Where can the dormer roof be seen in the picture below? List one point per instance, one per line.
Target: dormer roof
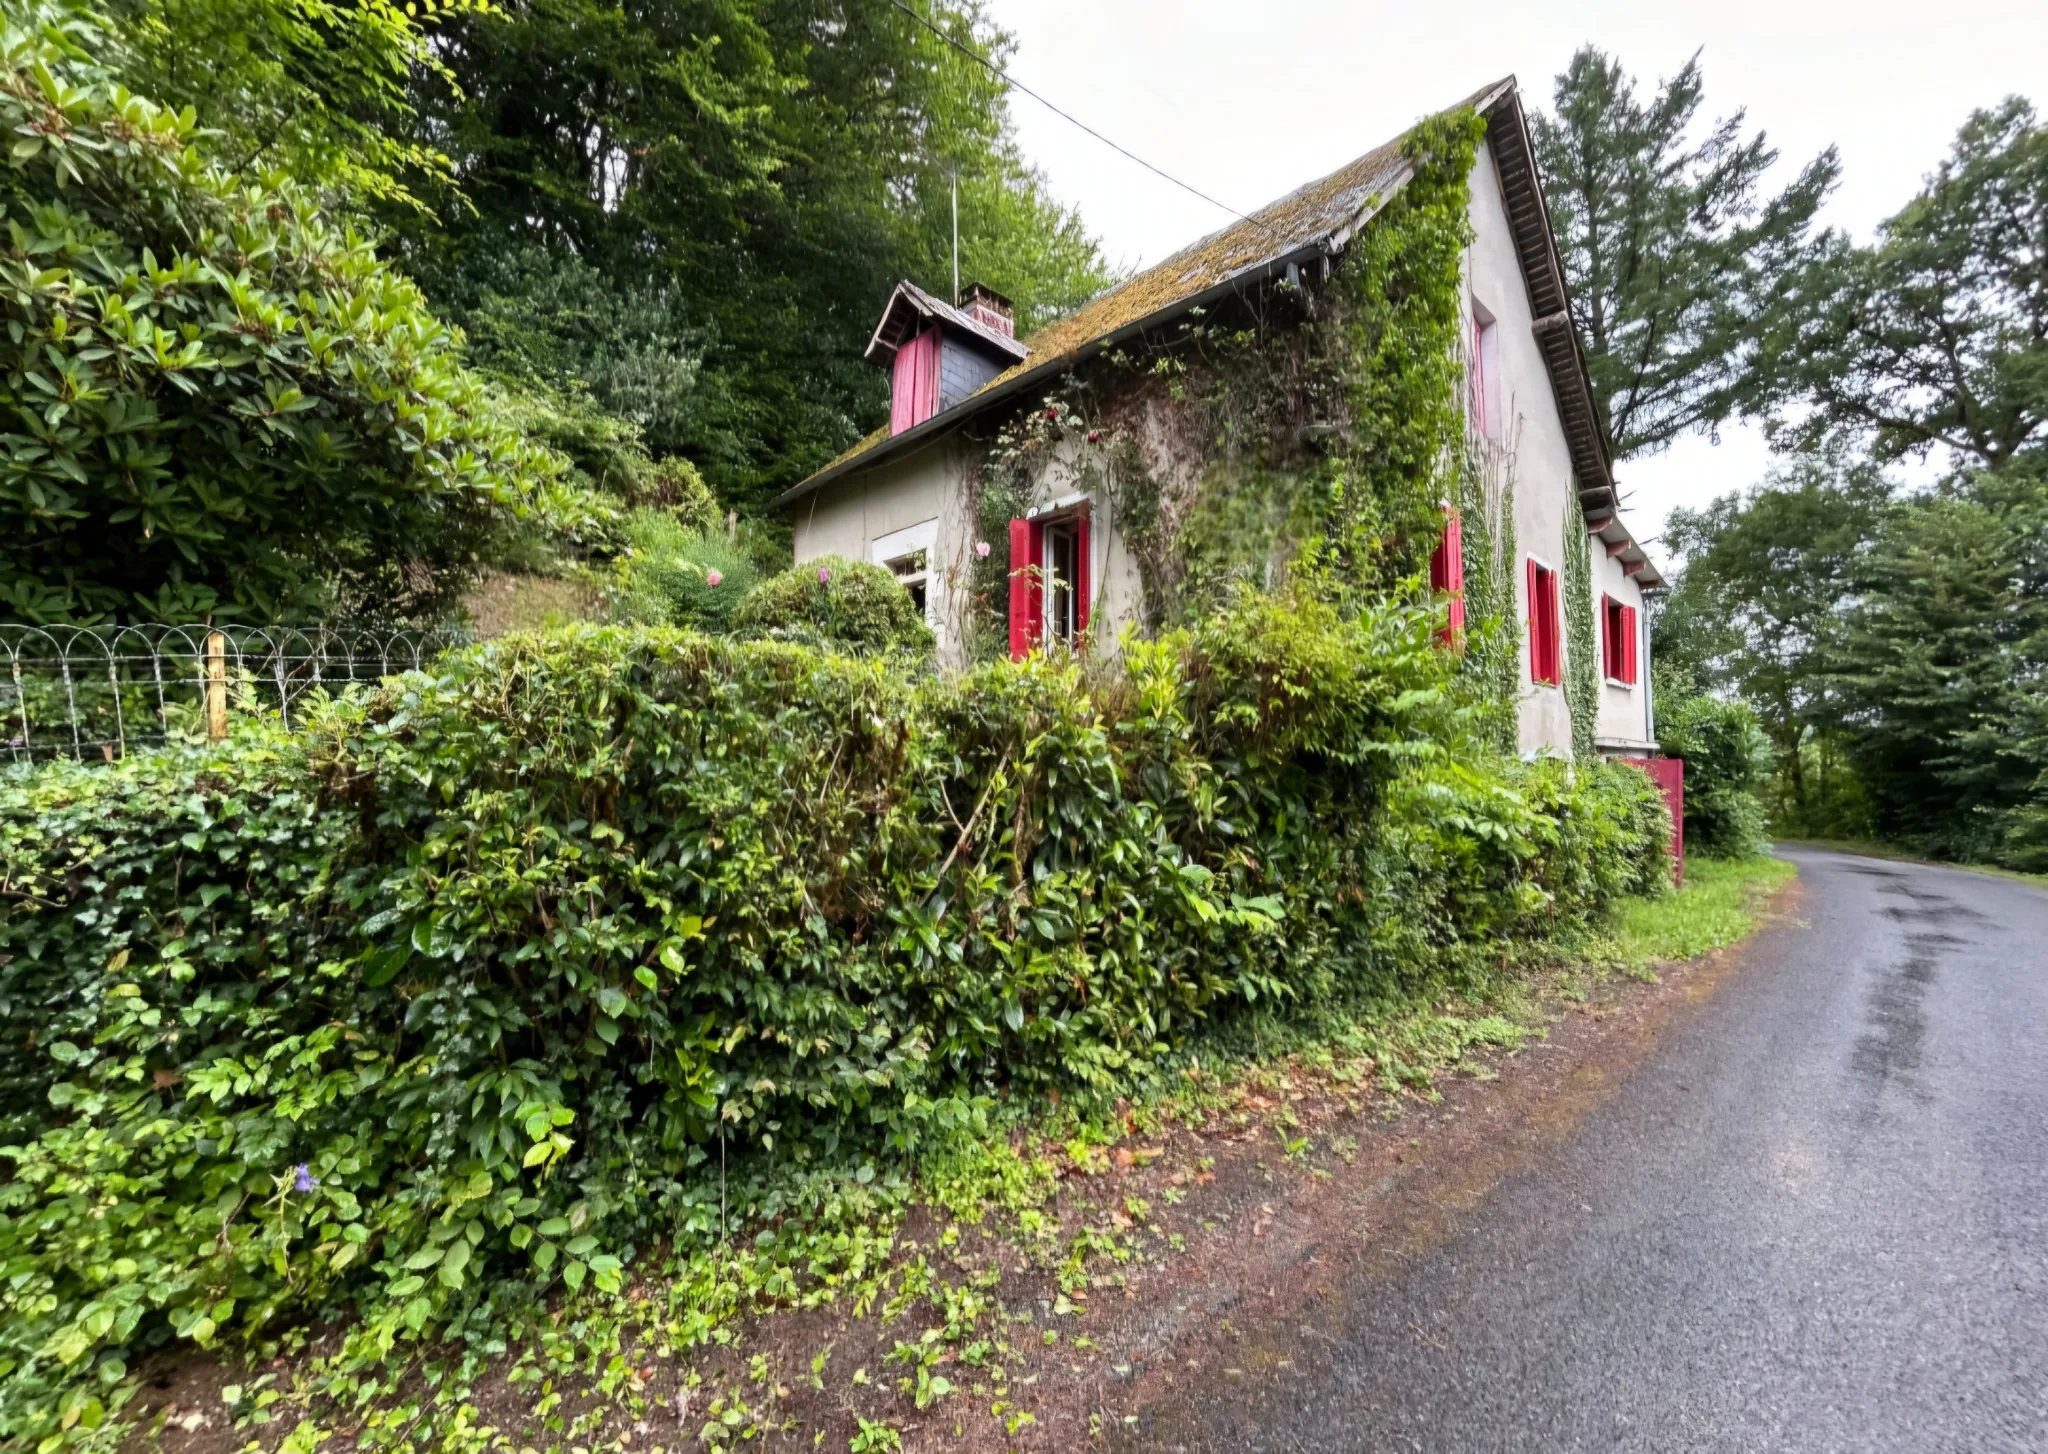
(911, 310)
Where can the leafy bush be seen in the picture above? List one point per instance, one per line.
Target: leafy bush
(1727, 759)
(217, 400)
(446, 1001)
(674, 575)
(838, 602)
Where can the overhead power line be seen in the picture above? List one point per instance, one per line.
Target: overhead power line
(1016, 85)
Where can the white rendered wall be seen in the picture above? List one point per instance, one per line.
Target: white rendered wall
(1546, 500)
(1623, 722)
(847, 516)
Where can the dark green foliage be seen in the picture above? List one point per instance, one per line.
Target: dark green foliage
(1759, 610)
(839, 602)
(1727, 762)
(216, 400)
(1938, 670)
(1895, 644)
(698, 210)
(500, 954)
(1674, 256)
(1936, 337)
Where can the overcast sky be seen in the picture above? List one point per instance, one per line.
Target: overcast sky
(1247, 100)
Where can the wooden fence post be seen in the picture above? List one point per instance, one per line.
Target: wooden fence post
(216, 686)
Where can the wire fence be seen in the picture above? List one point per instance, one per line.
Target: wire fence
(98, 694)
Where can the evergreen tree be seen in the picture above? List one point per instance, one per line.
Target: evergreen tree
(1674, 255)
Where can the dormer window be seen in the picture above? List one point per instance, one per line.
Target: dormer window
(937, 354)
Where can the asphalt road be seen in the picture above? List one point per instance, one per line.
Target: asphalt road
(1814, 1219)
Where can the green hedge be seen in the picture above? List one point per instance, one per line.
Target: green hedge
(1728, 760)
(449, 998)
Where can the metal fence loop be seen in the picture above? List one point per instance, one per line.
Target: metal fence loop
(98, 694)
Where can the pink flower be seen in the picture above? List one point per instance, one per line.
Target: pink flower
(824, 575)
(1095, 436)
(712, 577)
(981, 549)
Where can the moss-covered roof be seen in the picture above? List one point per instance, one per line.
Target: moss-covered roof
(1323, 213)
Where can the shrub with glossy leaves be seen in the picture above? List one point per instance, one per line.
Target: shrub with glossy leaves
(1727, 759)
(833, 601)
(215, 399)
(448, 999)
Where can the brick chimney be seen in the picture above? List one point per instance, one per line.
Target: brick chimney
(989, 308)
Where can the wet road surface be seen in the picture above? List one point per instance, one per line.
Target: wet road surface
(1815, 1219)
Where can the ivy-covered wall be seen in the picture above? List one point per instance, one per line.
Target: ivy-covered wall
(1305, 437)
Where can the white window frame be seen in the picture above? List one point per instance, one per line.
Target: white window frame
(897, 546)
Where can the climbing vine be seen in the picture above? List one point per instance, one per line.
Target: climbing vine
(1493, 629)
(1581, 670)
(1400, 294)
(1310, 436)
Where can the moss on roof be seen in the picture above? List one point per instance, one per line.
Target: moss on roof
(1322, 210)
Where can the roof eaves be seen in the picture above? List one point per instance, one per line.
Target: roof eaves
(1507, 129)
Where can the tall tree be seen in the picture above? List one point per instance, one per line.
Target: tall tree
(745, 179)
(1940, 671)
(317, 89)
(1936, 337)
(1674, 252)
(1757, 610)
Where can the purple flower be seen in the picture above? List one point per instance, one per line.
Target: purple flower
(303, 1180)
(712, 577)
(824, 575)
(981, 549)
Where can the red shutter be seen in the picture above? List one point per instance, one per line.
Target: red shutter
(914, 382)
(1447, 575)
(1546, 655)
(1084, 573)
(1535, 625)
(1628, 658)
(1027, 596)
(1554, 620)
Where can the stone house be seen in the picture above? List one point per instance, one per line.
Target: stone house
(908, 497)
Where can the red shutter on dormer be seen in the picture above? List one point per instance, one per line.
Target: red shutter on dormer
(1447, 575)
(1027, 594)
(914, 382)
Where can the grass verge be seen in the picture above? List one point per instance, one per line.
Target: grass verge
(1718, 905)
(954, 1302)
